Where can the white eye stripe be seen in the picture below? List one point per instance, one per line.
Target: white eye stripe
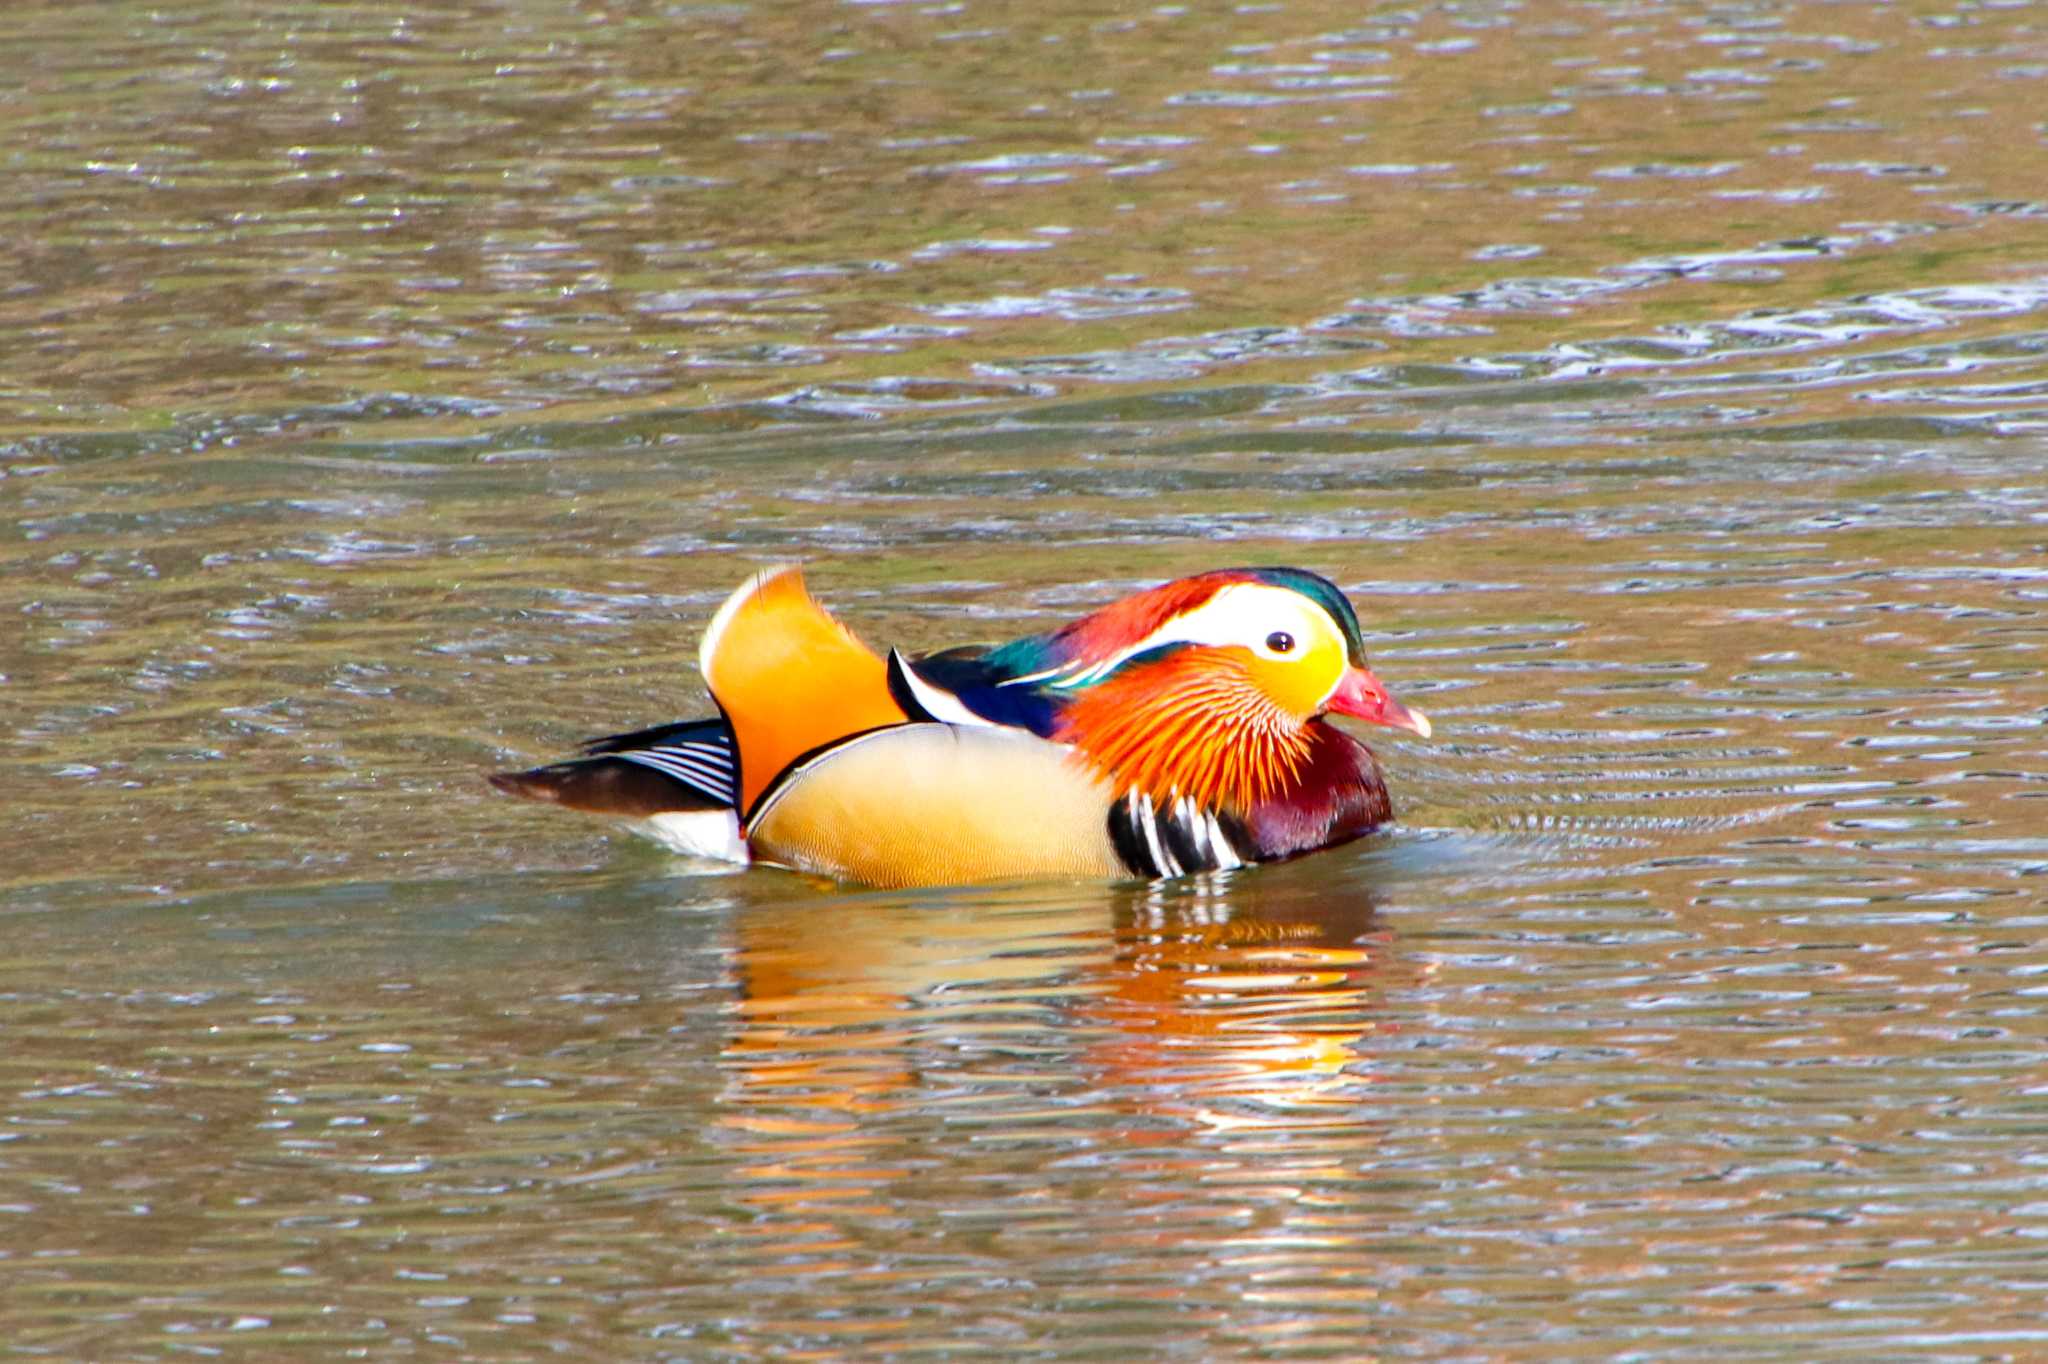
(1244, 614)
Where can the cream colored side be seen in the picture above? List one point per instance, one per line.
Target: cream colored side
(928, 805)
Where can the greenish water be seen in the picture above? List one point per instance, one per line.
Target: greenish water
(390, 397)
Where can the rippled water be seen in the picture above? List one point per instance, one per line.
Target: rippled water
(386, 397)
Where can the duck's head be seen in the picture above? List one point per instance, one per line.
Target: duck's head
(1203, 686)
(1291, 634)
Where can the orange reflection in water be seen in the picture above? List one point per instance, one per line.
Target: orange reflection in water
(1238, 1002)
(935, 1088)
(1129, 1013)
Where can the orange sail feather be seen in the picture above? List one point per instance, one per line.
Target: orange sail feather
(789, 677)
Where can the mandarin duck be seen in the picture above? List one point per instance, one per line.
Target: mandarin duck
(1178, 730)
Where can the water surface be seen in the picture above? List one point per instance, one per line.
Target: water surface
(387, 397)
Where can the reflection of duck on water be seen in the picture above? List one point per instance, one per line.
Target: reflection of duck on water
(1241, 1003)
(866, 1001)
(1233, 1001)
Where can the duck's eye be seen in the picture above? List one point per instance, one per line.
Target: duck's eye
(1280, 642)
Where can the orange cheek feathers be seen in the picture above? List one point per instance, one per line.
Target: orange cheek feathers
(1197, 725)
